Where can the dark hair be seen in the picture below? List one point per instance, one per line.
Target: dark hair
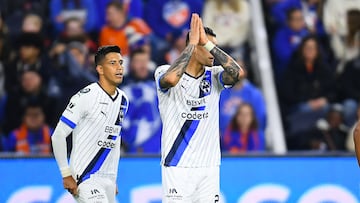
(300, 50)
(353, 18)
(208, 31)
(254, 123)
(102, 51)
(290, 11)
(32, 104)
(116, 4)
(135, 52)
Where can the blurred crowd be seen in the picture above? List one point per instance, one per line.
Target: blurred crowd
(315, 48)
(47, 55)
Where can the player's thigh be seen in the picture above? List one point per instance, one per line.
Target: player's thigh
(209, 187)
(177, 185)
(91, 192)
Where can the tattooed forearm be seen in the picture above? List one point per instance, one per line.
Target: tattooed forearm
(176, 70)
(232, 70)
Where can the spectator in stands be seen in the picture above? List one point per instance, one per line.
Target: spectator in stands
(230, 99)
(230, 20)
(30, 57)
(4, 58)
(335, 13)
(62, 10)
(330, 133)
(312, 11)
(243, 133)
(33, 135)
(31, 90)
(287, 39)
(168, 17)
(5, 47)
(74, 31)
(308, 87)
(4, 54)
(16, 10)
(71, 72)
(133, 9)
(346, 47)
(120, 28)
(349, 89)
(32, 23)
(142, 126)
(177, 46)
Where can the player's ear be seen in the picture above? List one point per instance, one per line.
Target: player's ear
(100, 69)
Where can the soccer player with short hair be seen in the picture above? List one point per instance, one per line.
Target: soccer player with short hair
(188, 92)
(94, 116)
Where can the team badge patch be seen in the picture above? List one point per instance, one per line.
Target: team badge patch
(205, 86)
(85, 90)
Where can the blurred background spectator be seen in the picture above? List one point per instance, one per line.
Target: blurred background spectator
(15, 11)
(30, 56)
(33, 135)
(142, 125)
(71, 72)
(330, 133)
(346, 47)
(243, 133)
(308, 87)
(132, 8)
(243, 92)
(122, 30)
(231, 20)
(62, 10)
(167, 18)
(287, 39)
(31, 90)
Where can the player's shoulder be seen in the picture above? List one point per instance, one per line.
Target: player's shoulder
(85, 93)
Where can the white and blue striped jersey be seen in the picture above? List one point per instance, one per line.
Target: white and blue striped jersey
(190, 115)
(96, 119)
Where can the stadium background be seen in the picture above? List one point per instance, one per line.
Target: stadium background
(307, 155)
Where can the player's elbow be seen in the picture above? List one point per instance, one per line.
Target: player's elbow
(168, 81)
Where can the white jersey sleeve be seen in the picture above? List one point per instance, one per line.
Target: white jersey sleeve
(58, 139)
(159, 72)
(217, 72)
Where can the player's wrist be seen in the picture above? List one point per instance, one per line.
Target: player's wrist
(65, 172)
(209, 45)
(193, 43)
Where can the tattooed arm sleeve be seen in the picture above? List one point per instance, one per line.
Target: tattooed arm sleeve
(232, 71)
(174, 73)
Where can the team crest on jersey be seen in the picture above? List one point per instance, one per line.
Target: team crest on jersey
(205, 86)
(85, 90)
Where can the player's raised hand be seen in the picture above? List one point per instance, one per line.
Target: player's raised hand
(70, 184)
(203, 37)
(194, 34)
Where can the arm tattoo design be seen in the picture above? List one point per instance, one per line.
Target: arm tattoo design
(231, 68)
(179, 66)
